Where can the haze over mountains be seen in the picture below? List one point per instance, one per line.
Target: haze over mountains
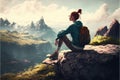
(24, 46)
(39, 29)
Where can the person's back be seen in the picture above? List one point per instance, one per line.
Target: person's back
(75, 33)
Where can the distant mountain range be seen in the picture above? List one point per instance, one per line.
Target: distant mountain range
(24, 46)
(39, 29)
(5, 24)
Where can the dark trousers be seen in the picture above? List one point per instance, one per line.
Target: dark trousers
(67, 43)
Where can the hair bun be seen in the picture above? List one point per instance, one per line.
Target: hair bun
(79, 11)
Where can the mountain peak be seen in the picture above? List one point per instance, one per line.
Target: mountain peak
(111, 31)
(41, 21)
(41, 24)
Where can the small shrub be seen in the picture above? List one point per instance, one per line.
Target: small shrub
(39, 72)
(99, 40)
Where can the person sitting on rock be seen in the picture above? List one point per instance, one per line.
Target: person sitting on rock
(74, 30)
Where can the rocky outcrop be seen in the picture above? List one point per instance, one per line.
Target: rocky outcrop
(114, 30)
(93, 63)
(101, 31)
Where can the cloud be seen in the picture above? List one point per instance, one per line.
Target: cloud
(55, 15)
(101, 17)
(32, 10)
(116, 14)
(2, 3)
(5, 4)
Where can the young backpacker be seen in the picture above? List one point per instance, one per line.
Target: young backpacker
(84, 36)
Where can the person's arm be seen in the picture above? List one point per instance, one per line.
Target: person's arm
(64, 32)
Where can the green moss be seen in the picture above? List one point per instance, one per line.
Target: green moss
(38, 72)
(98, 40)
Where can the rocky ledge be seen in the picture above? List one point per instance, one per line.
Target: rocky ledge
(93, 63)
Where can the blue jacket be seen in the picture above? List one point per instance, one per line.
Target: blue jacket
(74, 30)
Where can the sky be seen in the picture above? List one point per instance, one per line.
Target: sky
(95, 13)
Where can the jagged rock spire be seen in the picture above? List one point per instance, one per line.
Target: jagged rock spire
(42, 24)
(32, 25)
(113, 30)
(42, 20)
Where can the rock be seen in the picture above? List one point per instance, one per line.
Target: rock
(93, 63)
(113, 30)
(104, 49)
(49, 61)
(101, 31)
(89, 64)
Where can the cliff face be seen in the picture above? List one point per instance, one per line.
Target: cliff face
(94, 63)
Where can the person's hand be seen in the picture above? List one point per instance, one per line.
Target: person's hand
(56, 42)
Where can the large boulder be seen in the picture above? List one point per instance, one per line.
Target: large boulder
(93, 63)
(101, 31)
(113, 30)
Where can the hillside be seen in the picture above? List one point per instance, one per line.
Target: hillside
(20, 51)
(93, 63)
(19, 38)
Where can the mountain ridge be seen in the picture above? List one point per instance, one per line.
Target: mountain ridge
(39, 29)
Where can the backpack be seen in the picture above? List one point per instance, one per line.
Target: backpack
(84, 36)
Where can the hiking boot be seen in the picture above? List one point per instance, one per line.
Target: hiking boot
(54, 56)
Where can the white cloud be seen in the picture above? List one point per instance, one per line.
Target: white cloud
(55, 16)
(100, 18)
(5, 4)
(32, 10)
(2, 3)
(116, 14)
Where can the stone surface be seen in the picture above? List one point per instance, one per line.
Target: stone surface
(113, 30)
(104, 49)
(93, 63)
(49, 61)
(101, 31)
